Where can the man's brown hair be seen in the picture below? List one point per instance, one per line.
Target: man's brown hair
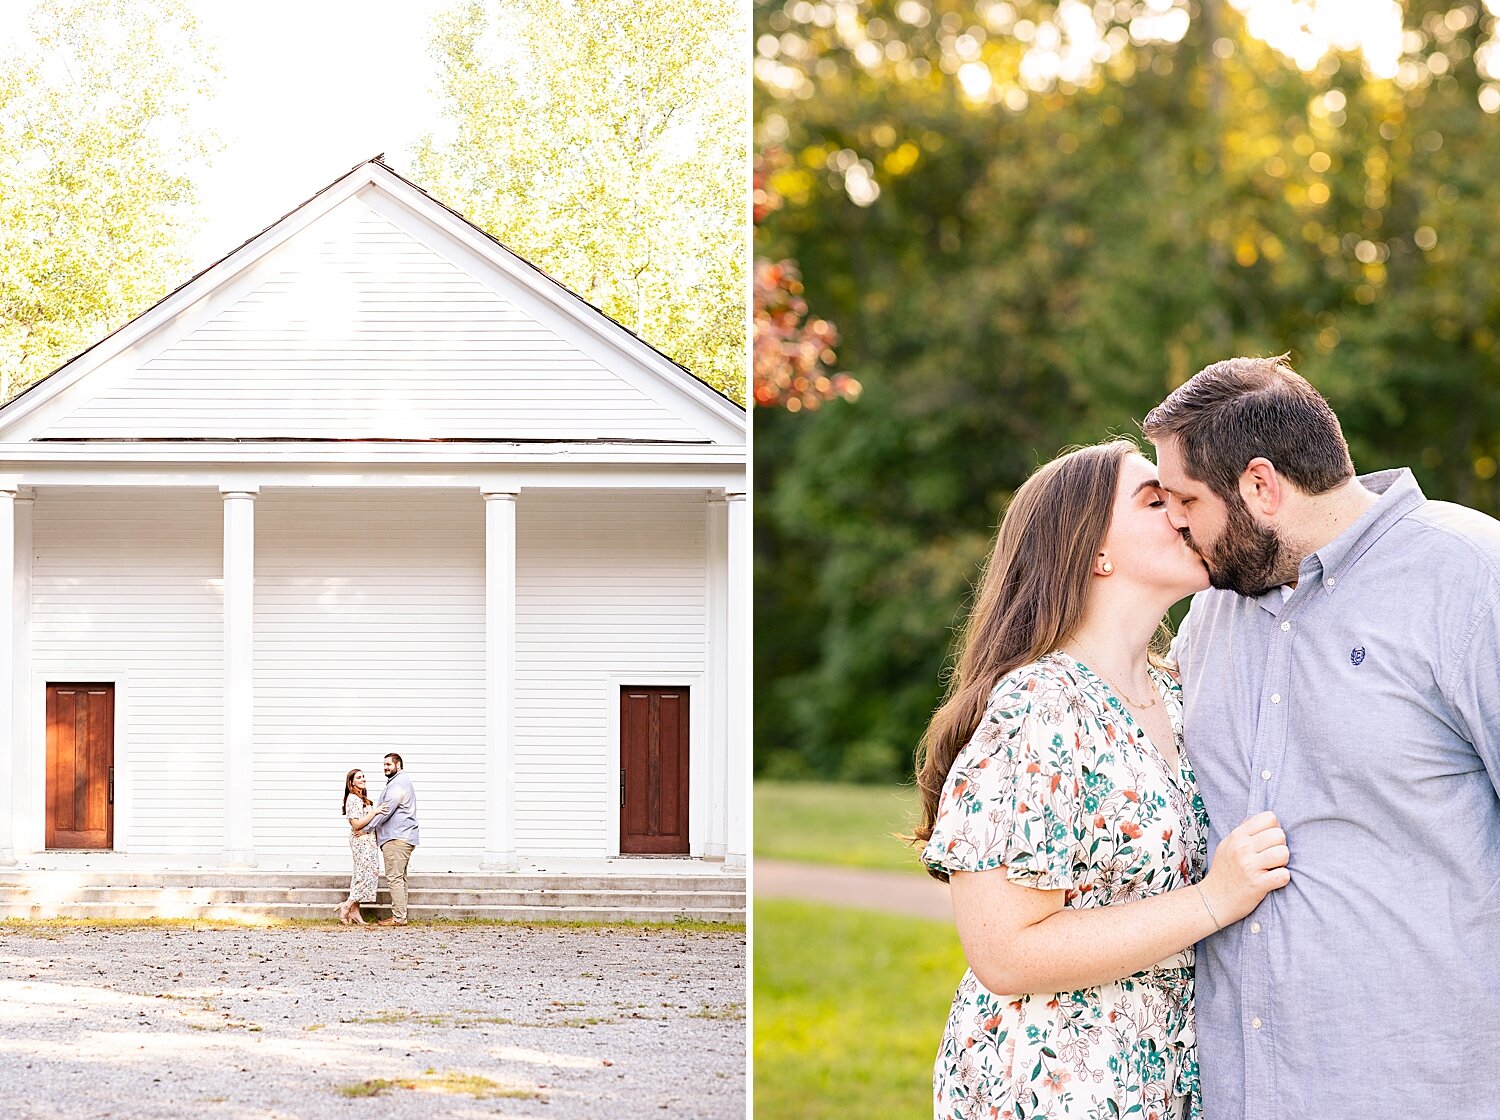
(1248, 408)
(397, 757)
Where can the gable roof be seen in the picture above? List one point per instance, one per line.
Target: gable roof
(175, 360)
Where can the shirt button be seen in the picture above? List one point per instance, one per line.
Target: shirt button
(1265, 775)
(1254, 927)
(1255, 1023)
(1286, 625)
(1276, 698)
(1331, 581)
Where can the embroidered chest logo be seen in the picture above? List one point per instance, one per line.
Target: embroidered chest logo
(1357, 655)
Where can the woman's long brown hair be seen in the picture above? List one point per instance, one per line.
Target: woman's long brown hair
(1031, 598)
(349, 788)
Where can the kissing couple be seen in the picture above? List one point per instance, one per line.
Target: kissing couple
(1255, 874)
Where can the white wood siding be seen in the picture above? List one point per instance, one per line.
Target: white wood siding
(369, 637)
(363, 332)
(605, 583)
(131, 581)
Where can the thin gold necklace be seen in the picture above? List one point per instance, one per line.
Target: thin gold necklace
(1123, 694)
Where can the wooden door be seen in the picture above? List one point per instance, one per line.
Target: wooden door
(81, 766)
(653, 771)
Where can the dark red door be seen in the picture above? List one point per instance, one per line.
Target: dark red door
(654, 771)
(80, 766)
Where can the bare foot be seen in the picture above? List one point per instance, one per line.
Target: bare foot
(343, 913)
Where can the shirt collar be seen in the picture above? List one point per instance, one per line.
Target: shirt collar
(1398, 493)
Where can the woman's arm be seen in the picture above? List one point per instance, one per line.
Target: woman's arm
(364, 821)
(1019, 939)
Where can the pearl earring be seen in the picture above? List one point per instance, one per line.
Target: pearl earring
(1106, 567)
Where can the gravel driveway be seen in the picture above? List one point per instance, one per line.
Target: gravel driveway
(294, 1022)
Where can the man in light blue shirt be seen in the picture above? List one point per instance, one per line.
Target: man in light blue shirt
(1345, 674)
(396, 833)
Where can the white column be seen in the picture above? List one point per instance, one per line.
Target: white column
(500, 679)
(737, 678)
(7, 674)
(30, 829)
(239, 674)
(716, 768)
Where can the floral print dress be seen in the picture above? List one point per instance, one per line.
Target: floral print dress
(1060, 787)
(366, 853)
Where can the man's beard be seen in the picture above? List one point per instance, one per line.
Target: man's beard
(1248, 558)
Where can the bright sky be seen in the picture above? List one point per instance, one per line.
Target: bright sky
(307, 89)
(1304, 30)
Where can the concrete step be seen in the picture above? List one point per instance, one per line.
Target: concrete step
(422, 897)
(297, 880)
(231, 912)
(250, 894)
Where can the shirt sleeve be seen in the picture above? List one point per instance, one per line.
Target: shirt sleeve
(1012, 796)
(1474, 688)
(381, 818)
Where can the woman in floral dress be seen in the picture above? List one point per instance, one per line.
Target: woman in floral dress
(1058, 804)
(359, 812)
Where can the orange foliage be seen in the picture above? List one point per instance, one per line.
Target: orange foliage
(793, 360)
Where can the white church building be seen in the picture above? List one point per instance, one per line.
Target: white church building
(372, 483)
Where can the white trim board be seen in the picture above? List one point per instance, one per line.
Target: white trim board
(715, 479)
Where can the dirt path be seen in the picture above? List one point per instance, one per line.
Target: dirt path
(893, 892)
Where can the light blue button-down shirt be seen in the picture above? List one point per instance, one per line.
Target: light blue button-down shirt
(1365, 711)
(401, 822)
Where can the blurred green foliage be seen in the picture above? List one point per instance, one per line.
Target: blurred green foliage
(1036, 264)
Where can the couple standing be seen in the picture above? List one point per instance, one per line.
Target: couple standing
(1305, 790)
(392, 824)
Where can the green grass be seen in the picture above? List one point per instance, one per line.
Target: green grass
(849, 1010)
(467, 1019)
(827, 822)
(371, 1088)
(451, 1082)
(725, 1011)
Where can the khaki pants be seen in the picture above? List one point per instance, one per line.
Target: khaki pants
(397, 853)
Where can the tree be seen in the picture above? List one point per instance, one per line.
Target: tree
(97, 148)
(792, 358)
(1032, 220)
(607, 142)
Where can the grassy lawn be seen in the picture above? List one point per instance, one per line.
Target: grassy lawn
(849, 1009)
(825, 822)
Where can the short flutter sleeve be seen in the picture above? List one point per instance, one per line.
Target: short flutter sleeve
(1012, 796)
